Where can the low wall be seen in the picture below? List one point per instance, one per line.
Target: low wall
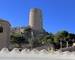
(34, 54)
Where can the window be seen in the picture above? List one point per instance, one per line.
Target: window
(1, 29)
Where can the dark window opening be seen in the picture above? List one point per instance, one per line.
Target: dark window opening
(1, 29)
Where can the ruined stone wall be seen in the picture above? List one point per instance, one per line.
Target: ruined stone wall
(5, 34)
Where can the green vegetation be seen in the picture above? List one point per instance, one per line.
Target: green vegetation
(59, 40)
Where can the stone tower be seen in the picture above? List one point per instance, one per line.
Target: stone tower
(35, 20)
(4, 33)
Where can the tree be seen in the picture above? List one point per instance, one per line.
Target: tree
(48, 40)
(18, 39)
(29, 34)
(71, 38)
(61, 37)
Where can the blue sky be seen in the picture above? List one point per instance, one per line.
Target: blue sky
(57, 14)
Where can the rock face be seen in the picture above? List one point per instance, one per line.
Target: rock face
(35, 19)
(4, 33)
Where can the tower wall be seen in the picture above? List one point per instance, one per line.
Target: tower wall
(35, 19)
